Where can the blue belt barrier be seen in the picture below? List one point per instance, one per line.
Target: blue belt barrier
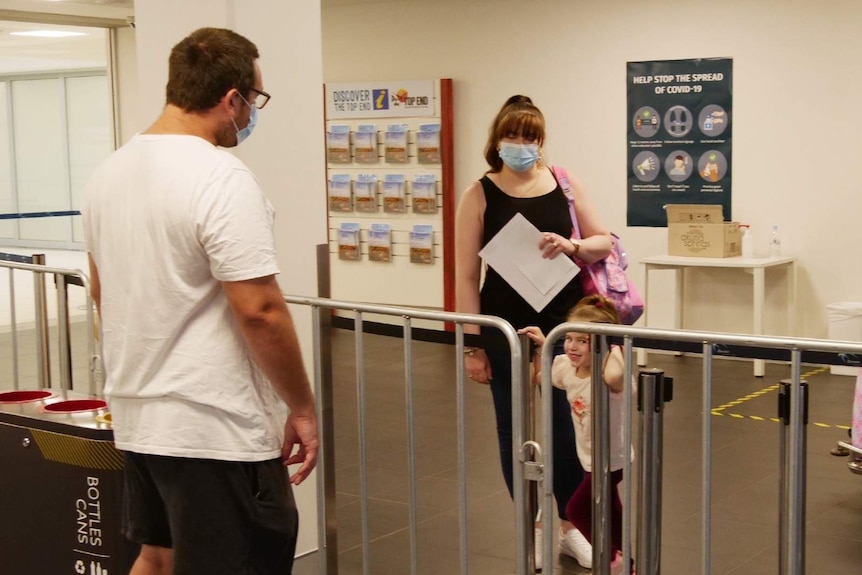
(20, 216)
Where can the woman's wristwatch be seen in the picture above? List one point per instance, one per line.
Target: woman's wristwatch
(577, 245)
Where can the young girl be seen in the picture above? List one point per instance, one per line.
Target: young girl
(572, 372)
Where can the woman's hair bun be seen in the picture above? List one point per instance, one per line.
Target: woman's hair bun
(518, 99)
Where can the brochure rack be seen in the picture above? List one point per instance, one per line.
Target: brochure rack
(389, 185)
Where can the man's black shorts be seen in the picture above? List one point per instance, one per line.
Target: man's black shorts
(219, 517)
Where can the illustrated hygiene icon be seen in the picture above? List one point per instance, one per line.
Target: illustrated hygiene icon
(713, 120)
(678, 165)
(646, 122)
(712, 166)
(678, 121)
(95, 568)
(645, 166)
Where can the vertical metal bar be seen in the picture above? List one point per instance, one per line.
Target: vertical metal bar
(601, 459)
(706, 464)
(524, 519)
(627, 442)
(783, 475)
(324, 392)
(530, 420)
(802, 470)
(411, 444)
(64, 349)
(547, 503)
(327, 534)
(322, 519)
(462, 450)
(649, 521)
(658, 465)
(14, 327)
(43, 357)
(363, 471)
(91, 347)
(796, 479)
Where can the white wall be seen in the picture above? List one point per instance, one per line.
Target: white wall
(286, 150)
(795, 92)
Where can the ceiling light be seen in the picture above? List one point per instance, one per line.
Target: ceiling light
(48, 33)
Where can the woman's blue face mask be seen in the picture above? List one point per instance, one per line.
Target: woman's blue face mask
(519, 157)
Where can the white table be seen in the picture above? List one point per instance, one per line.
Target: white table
(755, 266)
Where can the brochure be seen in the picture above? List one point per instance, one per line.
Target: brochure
(339, 193)
(393, 194)
(422, 244)
(380, 243)
(338, 145)
(424, 194)
(395, 148)
(365, 193)
(365, 144)
(428, 144)
(348, 241)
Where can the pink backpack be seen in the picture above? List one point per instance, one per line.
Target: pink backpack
(606, 277)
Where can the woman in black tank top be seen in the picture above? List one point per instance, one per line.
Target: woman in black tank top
(519, 182)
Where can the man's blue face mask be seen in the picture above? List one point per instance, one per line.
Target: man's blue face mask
(242, 135)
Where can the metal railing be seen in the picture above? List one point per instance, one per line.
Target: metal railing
(527, 472)
(62, 278)
(792, 412)
(535, 471)
(327, 536)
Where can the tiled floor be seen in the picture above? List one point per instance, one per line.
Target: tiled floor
(744, 467)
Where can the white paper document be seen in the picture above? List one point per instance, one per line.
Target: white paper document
(514, 253)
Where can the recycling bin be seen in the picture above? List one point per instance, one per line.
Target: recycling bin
(61, 486)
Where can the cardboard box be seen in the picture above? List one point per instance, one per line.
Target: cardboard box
(700, 231)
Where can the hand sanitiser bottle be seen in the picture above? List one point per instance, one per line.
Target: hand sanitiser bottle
(747, 242)
(774, 243)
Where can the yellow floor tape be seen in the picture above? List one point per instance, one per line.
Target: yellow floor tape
(720, 410)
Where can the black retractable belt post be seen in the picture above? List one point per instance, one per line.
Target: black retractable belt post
(786, 466)
(654, 390)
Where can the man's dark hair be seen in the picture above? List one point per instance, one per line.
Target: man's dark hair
(208, 63)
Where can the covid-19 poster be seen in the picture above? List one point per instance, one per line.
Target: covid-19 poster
(680, 123)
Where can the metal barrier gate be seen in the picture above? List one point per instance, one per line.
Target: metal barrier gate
(323, 389)
(527, 471)
(793, 412)
(654, 387)
(63, 277)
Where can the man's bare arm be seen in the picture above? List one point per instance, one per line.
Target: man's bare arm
(270, 335)
(269, 332)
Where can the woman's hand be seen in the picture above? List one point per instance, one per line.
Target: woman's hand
(553, 244)
(477, 366)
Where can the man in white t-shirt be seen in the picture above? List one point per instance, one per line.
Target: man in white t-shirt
(200, 350)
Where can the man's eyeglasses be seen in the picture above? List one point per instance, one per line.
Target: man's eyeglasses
(261, 98)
